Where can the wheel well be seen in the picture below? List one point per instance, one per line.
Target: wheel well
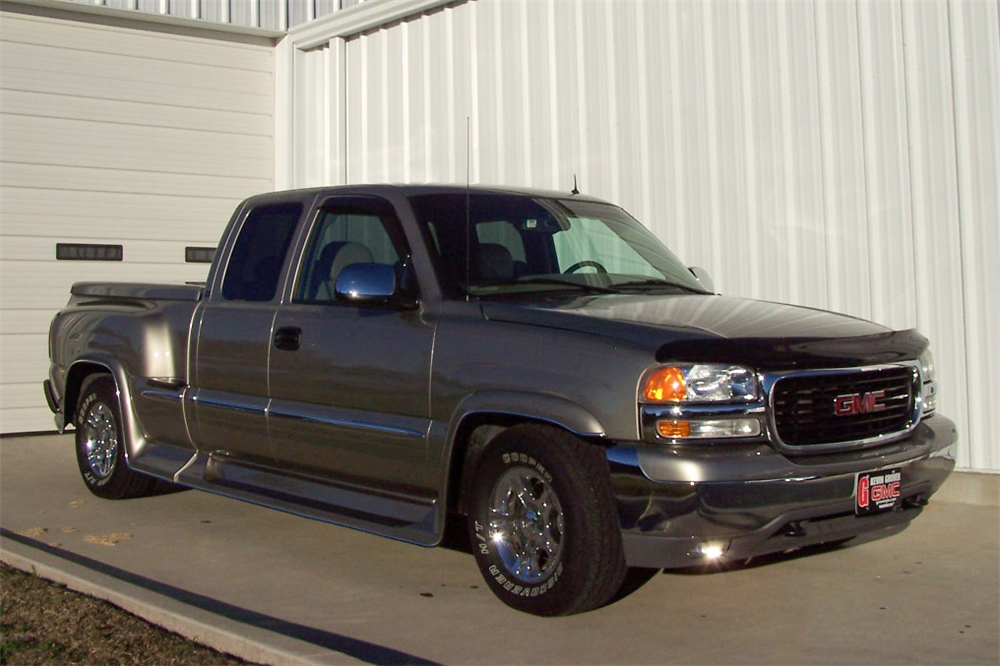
(474, 433)
(78, 374)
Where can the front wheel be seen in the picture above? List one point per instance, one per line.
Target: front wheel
(100, 444)
(543, 523)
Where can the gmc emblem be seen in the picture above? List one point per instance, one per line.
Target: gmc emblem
(853, 404)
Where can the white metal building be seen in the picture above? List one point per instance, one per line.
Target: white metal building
(841, 155)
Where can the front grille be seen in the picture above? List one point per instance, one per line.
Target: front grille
(873, 403)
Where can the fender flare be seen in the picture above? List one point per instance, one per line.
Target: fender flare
(510, 406)
(553, 409)
(134, 438)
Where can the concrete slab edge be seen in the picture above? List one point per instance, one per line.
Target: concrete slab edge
(192, 623)
(966, 487)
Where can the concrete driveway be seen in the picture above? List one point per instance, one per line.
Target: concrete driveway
(281, 589)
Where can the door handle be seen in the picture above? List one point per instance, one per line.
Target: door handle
(288, 338)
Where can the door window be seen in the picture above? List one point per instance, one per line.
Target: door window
(355, 231)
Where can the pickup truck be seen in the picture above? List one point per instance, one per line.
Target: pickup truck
(388, 358)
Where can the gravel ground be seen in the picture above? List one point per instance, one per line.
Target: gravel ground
(45, 623)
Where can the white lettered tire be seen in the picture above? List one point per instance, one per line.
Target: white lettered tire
(543, 523)
(100, 443)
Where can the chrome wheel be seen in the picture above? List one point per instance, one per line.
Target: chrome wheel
(100, 443)
(527, 525)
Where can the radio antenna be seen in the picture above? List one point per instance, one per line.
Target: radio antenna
(468, 206)
(574, 190)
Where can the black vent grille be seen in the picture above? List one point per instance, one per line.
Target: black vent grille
(876, 402)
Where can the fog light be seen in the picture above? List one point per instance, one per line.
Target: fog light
(710, 550)
(719, 429)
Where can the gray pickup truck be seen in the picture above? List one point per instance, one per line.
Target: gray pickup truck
(387, 357)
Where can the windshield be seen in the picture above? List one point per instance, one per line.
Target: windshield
(517, 244)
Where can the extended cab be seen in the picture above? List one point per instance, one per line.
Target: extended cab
(382, 357)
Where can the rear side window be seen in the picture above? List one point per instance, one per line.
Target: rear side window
(255, 264)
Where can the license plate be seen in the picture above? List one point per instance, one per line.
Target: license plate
(877, 491)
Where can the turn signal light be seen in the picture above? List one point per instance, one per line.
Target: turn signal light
(673, 429)
(711, 429)
(666, 385)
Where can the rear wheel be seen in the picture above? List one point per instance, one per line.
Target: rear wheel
(543, 523)
(100, 444)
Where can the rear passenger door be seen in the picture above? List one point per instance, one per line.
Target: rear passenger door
(349, 383)
(230, 360)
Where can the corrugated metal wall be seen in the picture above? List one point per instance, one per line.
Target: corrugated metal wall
(264, 14)
(115, 133)
(839, 155)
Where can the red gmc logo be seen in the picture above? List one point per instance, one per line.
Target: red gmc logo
(852, 404)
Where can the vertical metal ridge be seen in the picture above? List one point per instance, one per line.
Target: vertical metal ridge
(961, 233)
(555, 171)
(475, 82)
(581, 83)
(824, 147)
(752, 203)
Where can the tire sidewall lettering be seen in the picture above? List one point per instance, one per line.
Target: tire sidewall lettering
(517, 458)
(484, 543)
(89, 477)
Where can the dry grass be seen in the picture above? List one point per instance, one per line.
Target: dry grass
(45, 623)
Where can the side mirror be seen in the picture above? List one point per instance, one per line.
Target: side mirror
(702, 276)
(368, 284)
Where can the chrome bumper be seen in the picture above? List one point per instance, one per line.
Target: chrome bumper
(681, 507)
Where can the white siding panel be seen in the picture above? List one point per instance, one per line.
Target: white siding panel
(138, 67)
(934, 198)
(887, 167)
(133, 148)
(26, 420)
(229, 52)
(115, 133)
(81, 179)
(52, 105)
(842, 135)
(61, 213)
(975, 61)
(841, 155)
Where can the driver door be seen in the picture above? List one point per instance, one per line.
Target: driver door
(349, 383)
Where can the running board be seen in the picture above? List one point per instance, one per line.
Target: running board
(406, 517)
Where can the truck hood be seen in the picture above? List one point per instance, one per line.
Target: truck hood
(720, 329)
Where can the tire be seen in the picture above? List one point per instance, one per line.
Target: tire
(543, 522)
(100, 443)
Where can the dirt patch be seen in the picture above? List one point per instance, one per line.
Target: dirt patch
(33, 533)
(44, 623)
(107, 539)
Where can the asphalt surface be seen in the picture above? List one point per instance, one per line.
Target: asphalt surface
(279, 589)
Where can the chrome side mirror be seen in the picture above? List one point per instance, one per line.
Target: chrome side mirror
(702, 276)
(366, 284)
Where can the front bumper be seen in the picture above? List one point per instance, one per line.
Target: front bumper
(682, 506)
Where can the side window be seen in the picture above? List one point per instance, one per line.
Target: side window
(353, 231)
(255, 264)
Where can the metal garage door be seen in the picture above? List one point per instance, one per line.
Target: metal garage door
(115, 133)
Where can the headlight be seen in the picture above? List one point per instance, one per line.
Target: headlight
(928, 386)
(702, 382)
(927, 373)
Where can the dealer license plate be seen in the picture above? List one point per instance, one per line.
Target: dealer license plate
(876, 491)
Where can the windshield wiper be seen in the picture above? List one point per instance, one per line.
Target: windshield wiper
(551, 281)
(654, 282)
